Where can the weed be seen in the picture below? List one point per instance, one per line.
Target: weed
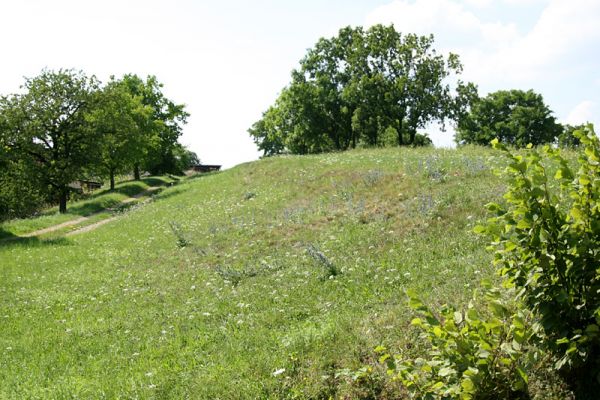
(182, 240)
(372, 177)
(321, 259)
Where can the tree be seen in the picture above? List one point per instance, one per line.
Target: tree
(515, 117)
(161, 129)
(184, 159)
(47, 126)
(275, 122)
(119, 120)
(354, 88)
(567, 138)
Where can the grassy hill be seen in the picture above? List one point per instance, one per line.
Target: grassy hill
(262, 281)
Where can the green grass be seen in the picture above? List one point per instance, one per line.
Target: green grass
(94, 203)
(210, 291)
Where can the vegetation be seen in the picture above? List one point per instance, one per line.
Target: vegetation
(65, 126)
(514, 117)
(545, 239)
(372, 87)
(227, 286)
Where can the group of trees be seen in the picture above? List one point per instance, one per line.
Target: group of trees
(364, 87)
(514, 117)
(378, 87)
(65, 126)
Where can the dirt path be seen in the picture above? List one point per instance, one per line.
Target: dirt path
(55, 227)
(93, 226)
(90, 227)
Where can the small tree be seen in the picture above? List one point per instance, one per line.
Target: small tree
(514, 117)
(118, 120)
(161, 129)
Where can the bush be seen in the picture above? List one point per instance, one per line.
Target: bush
(473, 354)
(547, 241)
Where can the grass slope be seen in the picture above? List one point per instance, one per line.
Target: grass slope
(261, 281)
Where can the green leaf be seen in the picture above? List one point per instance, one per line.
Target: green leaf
(523, 375)
(467, 385)
(523, 224)
(445, 371)
(479, 229)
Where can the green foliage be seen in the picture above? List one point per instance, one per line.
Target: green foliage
(567, 137)
(119, 121)
(547, 238)
(358, 88)
(65, 126)
(421, 139)
(47, 126)
(474, 354)
(162, 127)
(514, 117)
(19, 196)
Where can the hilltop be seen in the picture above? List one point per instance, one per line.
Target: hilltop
(262, 281)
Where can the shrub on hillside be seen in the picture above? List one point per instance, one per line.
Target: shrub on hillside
(547, 241)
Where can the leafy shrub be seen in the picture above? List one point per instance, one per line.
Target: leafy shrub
(421, 140)
(473, 354)
(547, 242)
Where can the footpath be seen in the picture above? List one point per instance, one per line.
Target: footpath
(81, 220)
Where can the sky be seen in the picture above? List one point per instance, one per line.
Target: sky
(228, 60)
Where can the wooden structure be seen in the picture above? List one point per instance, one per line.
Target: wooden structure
(206, 168)
(84, 186)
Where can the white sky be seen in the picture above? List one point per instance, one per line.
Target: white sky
(228, 60)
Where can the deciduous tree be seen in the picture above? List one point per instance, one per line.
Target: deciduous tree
(47, 126)
(515, 117)
(354, 88)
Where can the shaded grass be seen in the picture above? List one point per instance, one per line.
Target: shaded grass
(243, 310)
(96, 202)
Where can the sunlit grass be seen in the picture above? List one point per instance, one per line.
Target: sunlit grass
(213, 290)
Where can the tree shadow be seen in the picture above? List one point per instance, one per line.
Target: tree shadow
(162, 195)
(6, 235)
(11, 240)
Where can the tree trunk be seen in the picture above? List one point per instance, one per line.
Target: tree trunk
(112, 179)
(62, 201)
(400, 133)
(136, 172)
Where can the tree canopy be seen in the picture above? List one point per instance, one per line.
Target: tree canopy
(360, 88)
(47, 127)
(64, 126)
(514, 117)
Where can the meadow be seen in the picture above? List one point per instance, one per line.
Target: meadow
(273, 279)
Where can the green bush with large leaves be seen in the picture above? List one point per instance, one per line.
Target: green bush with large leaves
(547, 242)
(478, 353)
(545, 319)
